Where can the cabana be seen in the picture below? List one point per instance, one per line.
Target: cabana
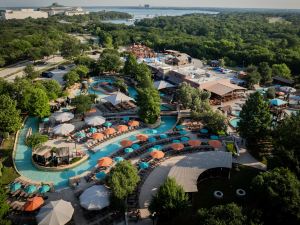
(161, 84)
(118, 98)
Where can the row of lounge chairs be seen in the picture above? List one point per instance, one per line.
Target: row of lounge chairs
(121, 107)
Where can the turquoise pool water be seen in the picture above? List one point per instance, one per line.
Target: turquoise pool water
(132, 92)
(60, 179)
(234, 122)
(99, 93)
(236, 113)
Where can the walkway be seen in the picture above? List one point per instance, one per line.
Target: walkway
(247, 159)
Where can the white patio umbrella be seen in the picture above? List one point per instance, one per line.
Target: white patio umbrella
(94, 120)
(63, 129)
(95, 198)
(287, 89)
(117, 98)
(161, 84)
(55, 213)
(63, 117)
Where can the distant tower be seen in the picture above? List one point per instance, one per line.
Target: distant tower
(147, 6)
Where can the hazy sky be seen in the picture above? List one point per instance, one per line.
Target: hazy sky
(291, 4)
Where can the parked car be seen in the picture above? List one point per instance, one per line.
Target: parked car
(47, 74)
(62, 67)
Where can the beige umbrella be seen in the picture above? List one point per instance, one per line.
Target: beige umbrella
(95, 198)
(63, 117)
(63, 129)
(55, 213)
(94, 120)
(117, 98)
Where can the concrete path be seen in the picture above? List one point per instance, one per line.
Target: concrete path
(248, 160)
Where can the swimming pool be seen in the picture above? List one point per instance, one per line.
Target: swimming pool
(234, 122)
(236, 113)
(60, 178)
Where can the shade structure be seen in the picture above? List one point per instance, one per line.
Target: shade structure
(122, 128)
(152, 131)
(143, 165)
(126, 143)
(180, 127)
(161, 84)
(33, 203)
(98, 136)
(46, 119)
(183, 132)
(55, 213)
(215, 143)
(134, 123)
(163, 136)
(277, 102)
(152, 149)
(107, 124)
(177, 146)
(45, 188)
(101, 175)
(15, 186)
(125, 118)
(152, 139)
(142, 137)
(94, 120)
(157, 154)
(80, 135)
(184, 138)
(63, 117)
(203, 131)
(105, 162)
(93, 130)
(95, 198)
(109, 131)
(118, 159)
(194, 143)
(176, 141)
(63, 129)
(128, 150)
(287, 89)
(118, 98)
(93, 110)
(214, 137)
(157, 146)
(135, 146)
(30, 189)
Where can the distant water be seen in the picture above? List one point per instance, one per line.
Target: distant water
(141, 13)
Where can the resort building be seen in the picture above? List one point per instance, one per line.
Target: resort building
(141, 51)
(63, 10)
(23, 14)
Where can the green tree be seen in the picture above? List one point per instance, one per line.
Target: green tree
(4, 208)
(214, 120)
(2, 61)
(169, 200)
(265, 72)
(35, 140)
(253, 78)
(71, 78)
(30, 72)
(278, 191)
(143, 76)
(130, 66)
(120, 83)
(123, 179)
(71, 48)
(85, 61)
(10, 120)
(281, 70)
(53, 89)
(109, 61)
(271, 93)
(108, 42)
(82, 71)
(36, 102)
(230, 214)
(83, 103)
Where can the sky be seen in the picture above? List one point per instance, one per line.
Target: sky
(285, 4)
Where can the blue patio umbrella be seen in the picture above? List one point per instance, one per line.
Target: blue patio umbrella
(30, 189)
(15, 186)
(157, 147)
(119, 159)
(180, 127)
(176, 141)
(135, 146)
(277, 102)
(184, 138)
(152, 139)
(46, 119)
(183, 132)
(45, 188)
(203, 131)
(152, 149)
(126, 118)
(93, 130)
(101, 175)
(80, 135)
(152, 131)
(163, 136)
(214, 137)
(144, 165)
(107, 124)
(128, 150)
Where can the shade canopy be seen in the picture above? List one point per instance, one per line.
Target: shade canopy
(94, 120)
(30, 189)
(157, 154)
(107, 124)
(15, 186)
(214, 137)
(215, 143)
(33, 203)
(184, 138)
(55, 213)
(118, 98)
(203, 131)
(180, 127)
(128, 150)
(194, 143)
(95, 198)
(63, 117)
(152, 139)
(109, 131)
(45, 188)
(288, 89)
(122, 128)
(144, 165)
(183, 132)
(134, 123)
(63, 129)
(98, 136)
(101, 175)
(161, 84)
(93, 130)
(176, 141)
(177, 146)
(163, 136)
(142, 137)
(118, 159)
(277, 102)
(135, 146)
(105, 162)
(126, 143)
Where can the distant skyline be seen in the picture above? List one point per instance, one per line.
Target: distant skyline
(281, 4)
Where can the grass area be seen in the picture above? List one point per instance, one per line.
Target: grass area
(8, 171)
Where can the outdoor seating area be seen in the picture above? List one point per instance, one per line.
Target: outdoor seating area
(108, 107)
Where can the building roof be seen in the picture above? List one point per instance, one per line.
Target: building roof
(281, 79)
(117, 98)
(187, 170)
(161, 84)
(220, 87)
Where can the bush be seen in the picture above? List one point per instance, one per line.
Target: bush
(36, 140)
(231, 148)
(74, 160)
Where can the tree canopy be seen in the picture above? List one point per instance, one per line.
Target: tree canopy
(109, 61)
(130, 67)
(36, 139)
(83, 103)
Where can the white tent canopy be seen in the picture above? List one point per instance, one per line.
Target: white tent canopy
(161, 84)
(63, 129)
(95, 198)
(94, 120)
(117, 98)
(55, 213)
(63, 116)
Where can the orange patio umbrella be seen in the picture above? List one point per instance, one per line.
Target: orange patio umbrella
(194, 143)
(157, 154)
(93, 110)
(122, 128)
(33, 204)
(98, 136)
(126, 143)
(110, 131)
(177, 146)
(105, 162)
(133, 123)
(142, 137)
(215, 143)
